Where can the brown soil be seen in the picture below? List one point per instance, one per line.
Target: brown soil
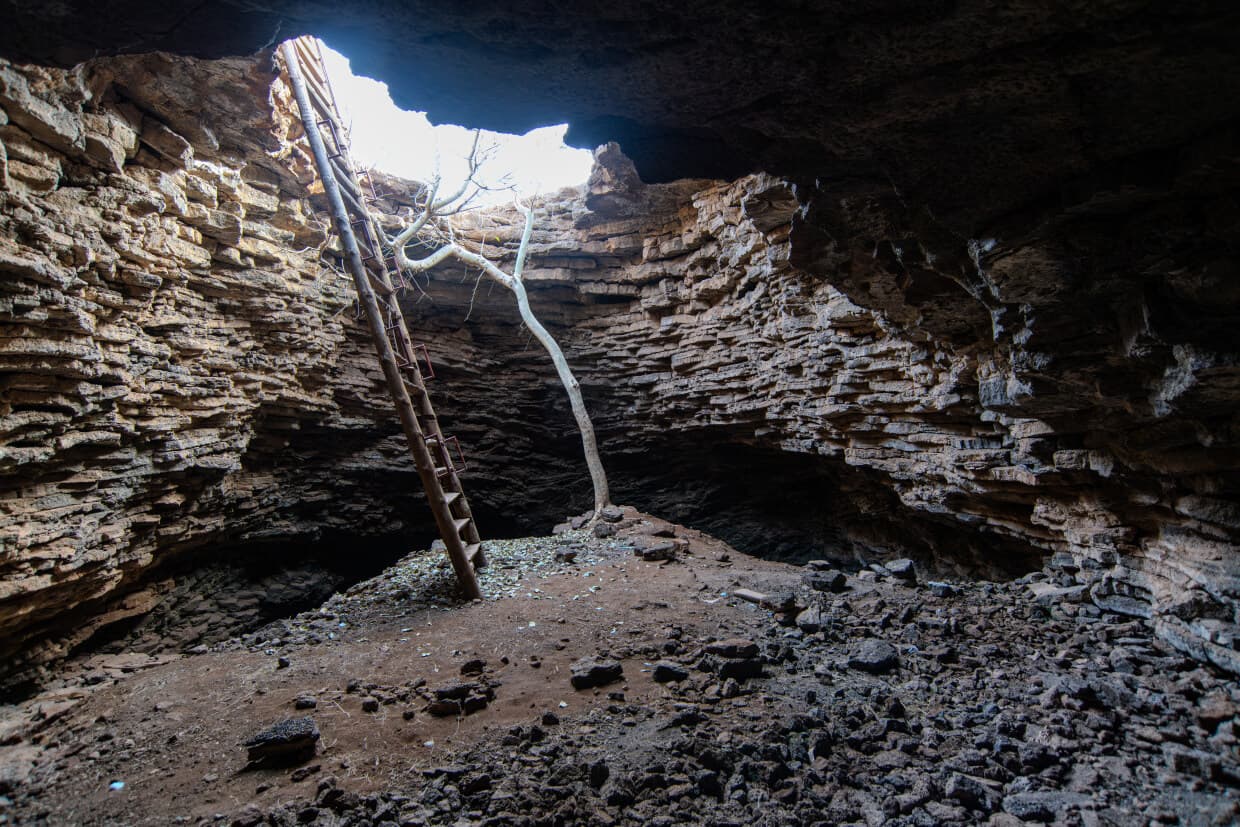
(1016, 700)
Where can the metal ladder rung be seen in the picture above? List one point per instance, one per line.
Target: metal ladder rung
(379, 284)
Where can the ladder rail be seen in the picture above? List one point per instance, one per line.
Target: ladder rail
(458, 530)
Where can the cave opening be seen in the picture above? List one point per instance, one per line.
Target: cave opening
(405, 144)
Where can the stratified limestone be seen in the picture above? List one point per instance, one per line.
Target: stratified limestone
(685, 313)
(170, 344)
(179, 370)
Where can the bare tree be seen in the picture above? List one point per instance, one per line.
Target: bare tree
(429, 227)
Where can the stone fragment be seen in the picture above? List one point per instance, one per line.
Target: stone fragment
(293, 739)
(740, 669)
(783, 602)
(249, 816)
(653, 550)
(53, 125)
(940, 589)
(1046, 805)
(901, 569)
(611, 514)
(825, 581)
(1047, 594)
(874, 656)
(810, 620)
(1214, 709)
(973, 792)
(733, 648)
(17, 762)
(591, 672)
(166, 143)
(666, 671)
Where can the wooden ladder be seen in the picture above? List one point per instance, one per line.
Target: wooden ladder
(378, 281)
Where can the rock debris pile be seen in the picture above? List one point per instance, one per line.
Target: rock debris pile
(898, 705)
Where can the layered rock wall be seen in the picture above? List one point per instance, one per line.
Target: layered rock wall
(805, 369)
(717, 328)
(173, 356)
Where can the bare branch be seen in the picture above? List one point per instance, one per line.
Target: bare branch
(474, 163)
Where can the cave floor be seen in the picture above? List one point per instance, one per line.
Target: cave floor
(887, 702)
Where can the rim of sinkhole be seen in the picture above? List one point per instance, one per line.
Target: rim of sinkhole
(403, 143)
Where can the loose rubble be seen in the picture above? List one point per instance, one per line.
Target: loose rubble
(906, 704)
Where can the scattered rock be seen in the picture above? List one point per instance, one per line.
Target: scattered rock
(901, 569)
(826, 581)
(874, 656)
(733, 648)
(667, 671)
(1043, 806)
(592, 672)
(940, 589)
(653, 550)
(810, 620)
(973, 792)
(293, 739)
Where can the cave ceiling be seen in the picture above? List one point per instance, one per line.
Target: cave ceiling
(976, 110)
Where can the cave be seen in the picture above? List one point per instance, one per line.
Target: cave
(907, 333)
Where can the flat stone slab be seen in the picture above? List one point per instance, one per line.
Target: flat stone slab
(290, 739)
(874, 656)
(591, 672)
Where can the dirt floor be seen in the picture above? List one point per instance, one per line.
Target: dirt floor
(879, 697)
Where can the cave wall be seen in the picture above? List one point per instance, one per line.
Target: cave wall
(173, 356)
(815, 366)
(1081, 408)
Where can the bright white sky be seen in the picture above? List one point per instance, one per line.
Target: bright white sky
(403, 143)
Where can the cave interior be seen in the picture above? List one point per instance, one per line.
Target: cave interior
(902, 326)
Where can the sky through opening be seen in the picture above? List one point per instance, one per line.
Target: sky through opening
(402, 143)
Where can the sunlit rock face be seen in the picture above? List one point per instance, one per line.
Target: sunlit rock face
(979, 305)
(172, 353)
(1003, 405)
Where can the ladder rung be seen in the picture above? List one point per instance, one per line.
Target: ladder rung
(472, 551)
(352, 202)
(451, 496)
(379, 284)
(460, 523)
(414, 390)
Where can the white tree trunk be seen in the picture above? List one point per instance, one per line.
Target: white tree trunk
(512, 281)
(572, 387)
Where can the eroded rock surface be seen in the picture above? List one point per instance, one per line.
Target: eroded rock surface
(707, 323)
(170, 344)
(807, 370)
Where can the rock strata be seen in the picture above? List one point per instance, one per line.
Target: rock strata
(805, 371)
(171, 346)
